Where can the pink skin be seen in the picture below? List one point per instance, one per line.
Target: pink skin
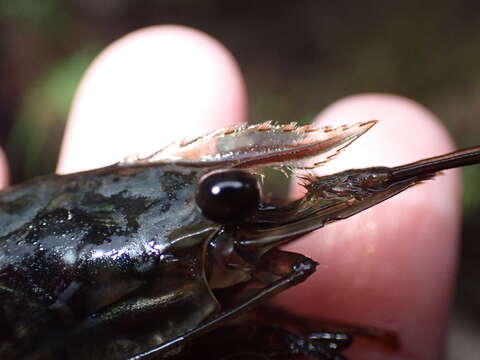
(390, 267)
(393, 265)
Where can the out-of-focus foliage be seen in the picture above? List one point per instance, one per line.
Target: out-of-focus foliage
(37, 131)
(471, 191)
(44, 16)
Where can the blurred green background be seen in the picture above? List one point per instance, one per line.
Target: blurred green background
(297, 57)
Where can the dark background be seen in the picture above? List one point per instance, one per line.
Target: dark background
(297, 57)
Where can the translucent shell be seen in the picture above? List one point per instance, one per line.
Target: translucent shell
(300, 147)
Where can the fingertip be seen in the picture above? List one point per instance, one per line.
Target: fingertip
(147, 89)
(4, 174)
(391, 266)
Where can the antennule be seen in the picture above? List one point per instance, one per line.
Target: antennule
(432, 165)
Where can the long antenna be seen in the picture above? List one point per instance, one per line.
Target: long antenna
(454, 159)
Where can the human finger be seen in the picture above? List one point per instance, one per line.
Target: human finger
(147, 89)
(393, 265)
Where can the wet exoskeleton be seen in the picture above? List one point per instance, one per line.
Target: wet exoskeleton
(162, 257)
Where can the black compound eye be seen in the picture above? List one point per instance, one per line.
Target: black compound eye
(228, 196)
